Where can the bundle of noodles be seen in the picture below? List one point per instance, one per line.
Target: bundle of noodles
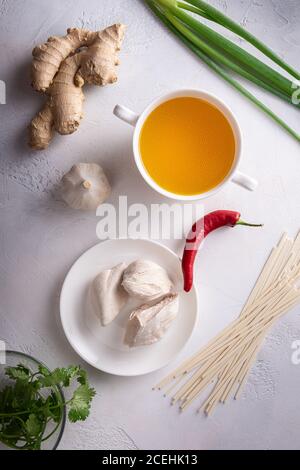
(227, 359)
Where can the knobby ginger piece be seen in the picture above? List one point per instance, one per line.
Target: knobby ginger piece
(61, 67)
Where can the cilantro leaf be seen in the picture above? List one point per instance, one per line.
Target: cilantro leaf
(17, 373)
(61, 376)
(43, 370)
(33, 425)
(53, 408)
(81, 403)
(82, 377)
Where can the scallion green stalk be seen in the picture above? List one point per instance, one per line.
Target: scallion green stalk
(211, 13)
(246, 61)
(236, 53)
(225, 61)
(155, 6)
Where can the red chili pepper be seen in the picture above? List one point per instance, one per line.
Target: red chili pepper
(199, 231)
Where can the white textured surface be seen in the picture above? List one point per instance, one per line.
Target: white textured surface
(40, 238)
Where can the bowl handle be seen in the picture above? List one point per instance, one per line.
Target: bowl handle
(125, 114)
(245, 181)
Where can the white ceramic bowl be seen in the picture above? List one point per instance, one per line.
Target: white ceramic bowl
(138, 121)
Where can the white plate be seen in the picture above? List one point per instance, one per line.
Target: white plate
(103, 347)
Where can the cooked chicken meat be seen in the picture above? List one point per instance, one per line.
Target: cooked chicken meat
(107, 295)
(146, 280)
(148, 323)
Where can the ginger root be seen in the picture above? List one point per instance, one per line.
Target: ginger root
(61, 67)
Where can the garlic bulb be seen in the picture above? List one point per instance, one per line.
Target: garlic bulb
(107, 296)
(85, 186)
(148, 324)
(146, 280)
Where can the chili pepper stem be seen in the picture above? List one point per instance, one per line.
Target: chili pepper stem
(241, 222)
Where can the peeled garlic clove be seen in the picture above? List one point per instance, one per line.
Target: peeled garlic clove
(107, 295)
(148, 323)
(146, 280)
(85, 186)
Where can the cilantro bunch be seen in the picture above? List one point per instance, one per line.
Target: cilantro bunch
(32, 407)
